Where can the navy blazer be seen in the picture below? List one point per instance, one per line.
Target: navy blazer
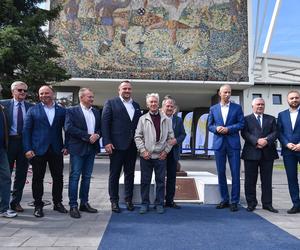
(234, 123)
(117, 128)
(179, 134)
(77, 132)
(9, 109)
(253, 131)
(38, 135)
(285, 132)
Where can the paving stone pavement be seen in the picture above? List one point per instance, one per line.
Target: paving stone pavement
(60, 231)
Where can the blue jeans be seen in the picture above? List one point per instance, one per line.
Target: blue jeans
(147, 167)
(80, 165)
(291, 167)
(5, 181)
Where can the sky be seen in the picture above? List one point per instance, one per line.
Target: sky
(286, 35)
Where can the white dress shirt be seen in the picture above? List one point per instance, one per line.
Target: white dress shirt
(294, 115)
(224, 111)
(50, 112)
(129, 107)
(261, 118)
(89, 118)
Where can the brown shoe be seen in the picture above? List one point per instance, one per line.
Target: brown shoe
(17, 208)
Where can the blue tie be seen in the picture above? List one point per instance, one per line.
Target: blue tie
(19, 119)
(259, 120)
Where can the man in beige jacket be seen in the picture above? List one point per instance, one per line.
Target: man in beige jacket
(153, 132)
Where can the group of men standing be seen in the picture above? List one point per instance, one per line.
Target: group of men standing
(34, 134)
(260, 132)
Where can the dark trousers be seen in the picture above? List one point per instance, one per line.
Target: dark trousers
(16, 156)
(171, 177)
(291, 167)
(233, 156)
(56, 166)
(118, 159)
(251, 174)
(147, 167)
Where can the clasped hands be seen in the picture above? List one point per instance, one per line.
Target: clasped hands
(222, 130)
(261, 143)
(147, 155)
(293, 147)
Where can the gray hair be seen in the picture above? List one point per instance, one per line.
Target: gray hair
(155, 95)
(82, 90)
(168, 98)
(17, 83)
(257, 99)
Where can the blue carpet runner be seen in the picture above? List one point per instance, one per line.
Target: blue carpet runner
(194, 227)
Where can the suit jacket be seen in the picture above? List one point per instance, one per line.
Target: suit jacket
(253, 131)
(179, 134)
(38, 135)
(77, 131)
(117, 128)
(9, 109)
(234, 123)
(285, 132)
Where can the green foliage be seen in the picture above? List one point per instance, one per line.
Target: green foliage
(26, 52)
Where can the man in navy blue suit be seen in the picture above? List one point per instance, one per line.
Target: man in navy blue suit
(168, 107)
(16, 109)
(288, 124)
(83, 130)
(225, 120)
(120, 116)
(43, 143)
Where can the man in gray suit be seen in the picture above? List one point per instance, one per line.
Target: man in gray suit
(260, 152)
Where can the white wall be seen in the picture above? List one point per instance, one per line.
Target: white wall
(267, 93)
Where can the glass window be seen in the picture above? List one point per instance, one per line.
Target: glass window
(277, 99)
(256, 96)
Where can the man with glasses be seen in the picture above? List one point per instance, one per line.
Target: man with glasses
(16, 109)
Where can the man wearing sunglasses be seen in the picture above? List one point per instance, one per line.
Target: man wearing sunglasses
(16, 109)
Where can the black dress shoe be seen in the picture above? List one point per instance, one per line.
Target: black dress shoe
(270, 208)
(87, 208)
(129, 206)
(115, 207)
(60, 208)
(74, 213)
(234, 207)
(250, 208)
(17, 208)
(294, 210)
(38, 212)
(172, 205)
(222, 205)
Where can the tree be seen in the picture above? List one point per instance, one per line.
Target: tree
(26, 51)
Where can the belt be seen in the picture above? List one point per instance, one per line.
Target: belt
(15, 136)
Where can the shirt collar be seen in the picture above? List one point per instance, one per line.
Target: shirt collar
(123, 100)
(224, 105)
(52, 106)
(294, 111)
(85, 108)
(17, 102)
(256, 115)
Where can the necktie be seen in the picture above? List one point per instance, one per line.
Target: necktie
(259, 120)
(19, 119)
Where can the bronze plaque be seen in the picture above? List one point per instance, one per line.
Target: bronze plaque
(186, 189)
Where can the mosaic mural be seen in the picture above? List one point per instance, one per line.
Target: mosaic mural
(154, 39)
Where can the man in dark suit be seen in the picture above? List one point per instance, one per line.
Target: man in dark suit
(82, 126)
(43, 143)
(5, 179)
(16, 109)
(168, 107)
(259, 151)
(288, 124)
(225, 120)
(120, 116)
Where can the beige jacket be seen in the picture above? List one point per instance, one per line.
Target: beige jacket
(145, 135)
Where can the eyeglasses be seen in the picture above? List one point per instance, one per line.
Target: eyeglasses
(22, 90)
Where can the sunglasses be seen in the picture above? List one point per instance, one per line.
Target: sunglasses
(22, 90)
